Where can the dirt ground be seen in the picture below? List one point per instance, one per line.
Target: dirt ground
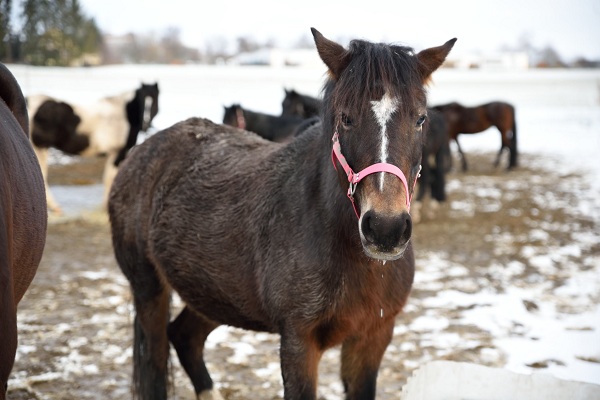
(75, 321)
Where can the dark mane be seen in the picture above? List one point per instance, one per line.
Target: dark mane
(375, 66)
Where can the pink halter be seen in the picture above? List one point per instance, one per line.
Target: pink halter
(241, 121)
(354, 178)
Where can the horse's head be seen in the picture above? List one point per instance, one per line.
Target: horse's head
(55, 125)
(374, 108)
(292, 104)
(234, 116)
(149, 96)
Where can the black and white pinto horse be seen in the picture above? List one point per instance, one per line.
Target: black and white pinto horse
(108, 127)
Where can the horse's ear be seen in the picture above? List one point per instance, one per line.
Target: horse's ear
(432, 58)
(333, 55)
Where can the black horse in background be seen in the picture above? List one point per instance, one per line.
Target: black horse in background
(435, 163)
(301, 105)
(271, 127)
(437, 160)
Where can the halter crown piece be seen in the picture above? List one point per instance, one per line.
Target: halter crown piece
(354, 178)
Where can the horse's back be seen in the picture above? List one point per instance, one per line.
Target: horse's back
(501, 113)
(195, 155)
(180, 181)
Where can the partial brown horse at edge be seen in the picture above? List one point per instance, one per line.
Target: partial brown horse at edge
(23, 216)
(466, 120)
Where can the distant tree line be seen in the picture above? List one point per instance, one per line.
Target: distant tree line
(58, 32)
(51, 32)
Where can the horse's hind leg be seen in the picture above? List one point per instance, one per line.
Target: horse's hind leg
(150, 343)
(187, 333)
(361, 357)
(498, 157)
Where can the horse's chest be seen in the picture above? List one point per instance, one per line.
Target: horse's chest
(361, 309)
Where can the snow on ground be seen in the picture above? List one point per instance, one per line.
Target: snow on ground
(558, 116)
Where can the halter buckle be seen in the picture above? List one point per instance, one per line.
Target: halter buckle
(352, 188)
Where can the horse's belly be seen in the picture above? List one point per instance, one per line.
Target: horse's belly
(106, 135)
(221, 299)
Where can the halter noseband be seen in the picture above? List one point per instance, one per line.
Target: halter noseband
(354, 178)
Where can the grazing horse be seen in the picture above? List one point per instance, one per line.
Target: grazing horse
(461, 120)
(265, 236)
(108, 127)
(271, 127)
(23, 216)
(301, 105)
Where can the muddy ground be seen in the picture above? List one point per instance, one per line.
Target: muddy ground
(75, 320)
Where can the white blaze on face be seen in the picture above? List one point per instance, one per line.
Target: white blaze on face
(383, 110)
(147, 111)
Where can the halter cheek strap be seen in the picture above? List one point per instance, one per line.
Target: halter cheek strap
(354, 178)
(241, 121)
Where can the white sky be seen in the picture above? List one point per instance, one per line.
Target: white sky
(572, 27)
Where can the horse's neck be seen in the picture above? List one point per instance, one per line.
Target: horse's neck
(121, 98)
(329, 199)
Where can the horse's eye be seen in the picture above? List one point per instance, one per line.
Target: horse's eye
(421, 120)
(346, 120)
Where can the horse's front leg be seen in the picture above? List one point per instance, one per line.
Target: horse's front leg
(300, 356)
(110, 171)
(462, 155)
(42, 156)
(361, 358)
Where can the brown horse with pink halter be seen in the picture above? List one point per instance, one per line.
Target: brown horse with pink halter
(260, 235)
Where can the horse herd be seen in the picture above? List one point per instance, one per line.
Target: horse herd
(444, 123)
(259, 234)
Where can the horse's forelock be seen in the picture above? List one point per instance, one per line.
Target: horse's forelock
(376, 69)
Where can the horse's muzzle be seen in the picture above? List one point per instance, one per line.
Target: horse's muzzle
(385, 237)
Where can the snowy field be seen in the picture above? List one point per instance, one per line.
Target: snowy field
(558, 114)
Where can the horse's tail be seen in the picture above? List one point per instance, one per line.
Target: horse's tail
(513, 141)
(11, 93)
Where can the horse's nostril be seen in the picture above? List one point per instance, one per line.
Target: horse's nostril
(368, 226)
(385, 231)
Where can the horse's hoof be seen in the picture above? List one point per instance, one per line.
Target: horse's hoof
(212, 394)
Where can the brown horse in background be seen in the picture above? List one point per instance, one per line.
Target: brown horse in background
(23, 216)
(466, 120)
(264, 236)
